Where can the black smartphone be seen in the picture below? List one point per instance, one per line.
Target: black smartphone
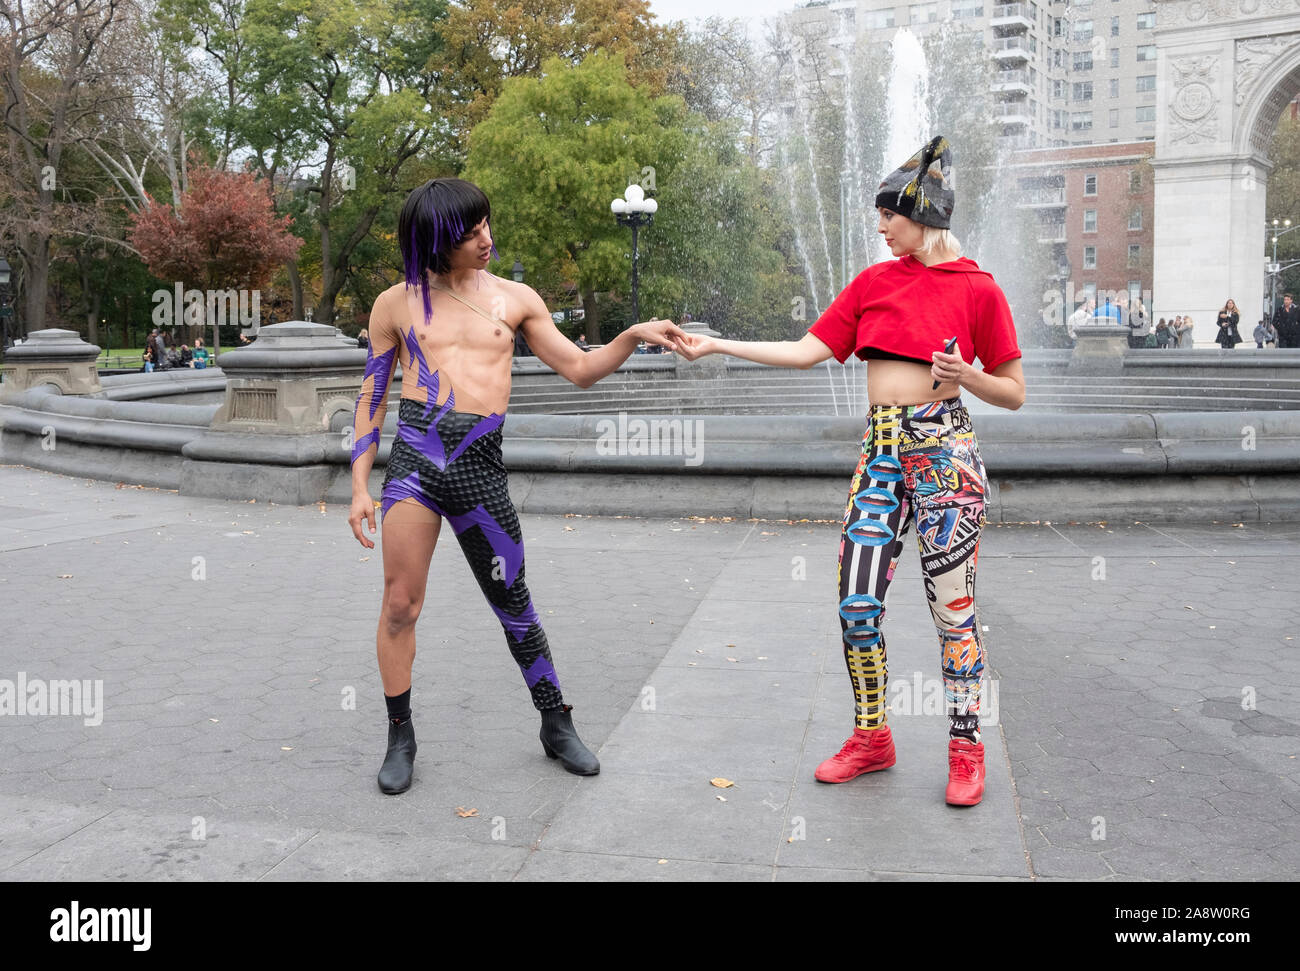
(947, 349)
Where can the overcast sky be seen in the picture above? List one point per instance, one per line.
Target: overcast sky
(667, 10)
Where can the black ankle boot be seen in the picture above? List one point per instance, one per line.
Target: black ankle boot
(560, 741)
(395, 774)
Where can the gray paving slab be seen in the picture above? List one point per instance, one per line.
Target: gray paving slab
(1144, 725)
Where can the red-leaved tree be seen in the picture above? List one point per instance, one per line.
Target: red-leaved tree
(225, 237)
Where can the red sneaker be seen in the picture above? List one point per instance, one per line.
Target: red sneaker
(865, 751)
(965, 772)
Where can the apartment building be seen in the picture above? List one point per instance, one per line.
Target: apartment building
(1063, 72)
(1095, 206)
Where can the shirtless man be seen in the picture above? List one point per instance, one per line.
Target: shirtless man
(452, 326)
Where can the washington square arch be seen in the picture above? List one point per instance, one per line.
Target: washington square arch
(1225, 71)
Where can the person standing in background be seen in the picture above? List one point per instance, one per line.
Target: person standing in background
(1286, 321)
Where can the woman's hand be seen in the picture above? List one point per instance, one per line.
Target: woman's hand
(948, 368)
(363, 507)
(656, 331)
(694, 346)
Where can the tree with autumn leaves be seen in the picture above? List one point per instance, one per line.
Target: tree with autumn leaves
(225, 236)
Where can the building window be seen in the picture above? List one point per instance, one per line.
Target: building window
(967, 9)
(1090, 220)
(1083, 31)
(1058, 27)
(1146, 52)
(880, 19)
(1081, 121)
(1135, 219)
(1090, 258)
(1114, 57)
(1135, 182)
(1090, 185)
(1134, 254)
(1058, 89)
(1083, 60)
(1114, 117)
(923, 13)
(1114, 26)
(1114, 87)
(1082, 90)
(1146, 113)
(1146, 82)
(1146, 21)
(1058, 58)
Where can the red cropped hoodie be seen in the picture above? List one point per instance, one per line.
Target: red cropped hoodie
(905, 309)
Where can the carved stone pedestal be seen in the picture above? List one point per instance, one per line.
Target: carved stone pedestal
(53, 356)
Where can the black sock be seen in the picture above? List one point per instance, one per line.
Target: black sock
(399, 706)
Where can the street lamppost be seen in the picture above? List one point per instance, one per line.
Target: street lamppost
(5, 311)
(1280, 228)
(517, 272)
(634, 210)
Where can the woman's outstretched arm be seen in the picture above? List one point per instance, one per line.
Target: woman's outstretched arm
(802, 354)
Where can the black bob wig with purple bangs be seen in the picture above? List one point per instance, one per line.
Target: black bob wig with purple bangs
(435, 219)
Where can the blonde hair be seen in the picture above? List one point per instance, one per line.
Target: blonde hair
(933, 238)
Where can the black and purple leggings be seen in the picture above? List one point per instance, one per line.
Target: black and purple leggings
(450, 461)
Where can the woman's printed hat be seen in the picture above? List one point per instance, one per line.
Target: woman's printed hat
(921, 188)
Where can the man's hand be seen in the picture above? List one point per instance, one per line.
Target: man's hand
(694, 346)
(363, 507)
(948, 368)
(657, 331)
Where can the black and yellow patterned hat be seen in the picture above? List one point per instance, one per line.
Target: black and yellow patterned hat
(921, 188)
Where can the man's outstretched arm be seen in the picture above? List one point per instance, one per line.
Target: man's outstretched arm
(585, 368)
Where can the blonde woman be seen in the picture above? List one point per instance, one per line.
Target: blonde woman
(920, 320)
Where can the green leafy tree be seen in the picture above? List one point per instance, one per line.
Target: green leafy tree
(488, 42)
(554, 151)
(551, 154)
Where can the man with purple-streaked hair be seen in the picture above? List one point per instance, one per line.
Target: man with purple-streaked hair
(452, 327)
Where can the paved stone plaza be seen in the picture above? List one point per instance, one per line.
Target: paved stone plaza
(1140, 678)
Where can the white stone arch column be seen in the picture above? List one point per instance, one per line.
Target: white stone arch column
(1223, 71)
(1268, 78)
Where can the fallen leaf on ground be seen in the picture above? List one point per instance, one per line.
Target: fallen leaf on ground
(721, 783)
(464, 813)
(721, 798)
(65, 576)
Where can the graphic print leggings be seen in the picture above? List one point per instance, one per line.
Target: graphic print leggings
(920, 466)
(451, 462)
